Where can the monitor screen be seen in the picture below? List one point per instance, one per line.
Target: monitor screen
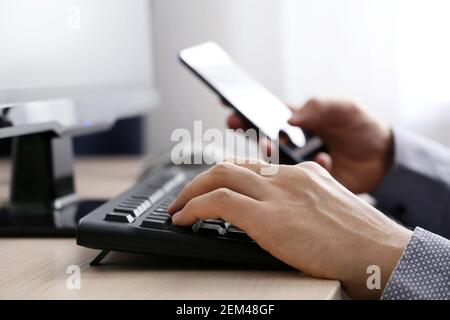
(93, 56)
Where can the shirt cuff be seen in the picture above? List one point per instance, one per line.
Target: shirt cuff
(423, 272)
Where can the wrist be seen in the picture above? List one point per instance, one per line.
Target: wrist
(377, 259)
(393, 251)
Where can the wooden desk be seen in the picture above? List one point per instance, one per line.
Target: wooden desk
(36, 268)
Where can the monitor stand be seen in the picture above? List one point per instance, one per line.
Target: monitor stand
(42, 194)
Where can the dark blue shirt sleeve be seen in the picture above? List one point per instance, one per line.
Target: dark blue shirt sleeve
(416, 191)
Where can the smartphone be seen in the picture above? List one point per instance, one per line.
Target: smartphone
(262, 110)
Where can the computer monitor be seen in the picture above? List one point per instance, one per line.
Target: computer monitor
(67, 67)
(80, 64)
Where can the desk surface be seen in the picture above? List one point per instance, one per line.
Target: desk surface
(36, 268)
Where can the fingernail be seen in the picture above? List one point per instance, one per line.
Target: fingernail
(175, 217)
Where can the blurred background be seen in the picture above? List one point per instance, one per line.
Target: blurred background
(391, 55)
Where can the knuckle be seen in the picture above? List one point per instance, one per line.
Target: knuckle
(313, 103)
(191, 204)
(222, 168)
(310, 167)
(223, 194)
(352, 108)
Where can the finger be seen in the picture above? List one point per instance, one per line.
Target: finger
(236, 122)
(224, 204)
(266, 146)
(324, 160)
(223, 175)
(308, 117)
(284, 138)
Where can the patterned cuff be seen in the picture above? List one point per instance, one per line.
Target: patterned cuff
(423, 272)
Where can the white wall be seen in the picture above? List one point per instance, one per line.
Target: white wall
(423, 66)
(391, 55)
(240, 26)
(341, 49)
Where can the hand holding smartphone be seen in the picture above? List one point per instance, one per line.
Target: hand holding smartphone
(250, 99)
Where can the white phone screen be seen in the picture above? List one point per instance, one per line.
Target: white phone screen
(250, 98)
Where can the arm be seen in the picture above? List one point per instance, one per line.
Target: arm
(409, 175)
(366, 156)
(302, 216)
(423, 272)
(416, 191)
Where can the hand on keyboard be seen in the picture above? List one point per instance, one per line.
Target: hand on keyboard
(138, 221)
(152, 203)
(302, 216)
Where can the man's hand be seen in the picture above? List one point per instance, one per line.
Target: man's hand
(302, 216)
(360, 145)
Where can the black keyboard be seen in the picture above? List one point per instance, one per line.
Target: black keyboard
(137, 221)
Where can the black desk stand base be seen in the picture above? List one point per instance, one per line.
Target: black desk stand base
(98, 259)
(42, 197)
(60, 224)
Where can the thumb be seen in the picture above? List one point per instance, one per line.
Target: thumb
(308, 116)
(266, 146)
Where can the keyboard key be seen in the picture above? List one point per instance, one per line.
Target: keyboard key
(169, 186)
(237, 234)
(170, 198)
(155, 224)
(119, 217)
(128, 205)
(229, 225)
(208, 229)
(161, 209)
(140, 196)
(160, 215)
(133, 202)
(174, 182)
(126, 210)
(156, 196)
(144, 206)
(180, 178)
(215, 221)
